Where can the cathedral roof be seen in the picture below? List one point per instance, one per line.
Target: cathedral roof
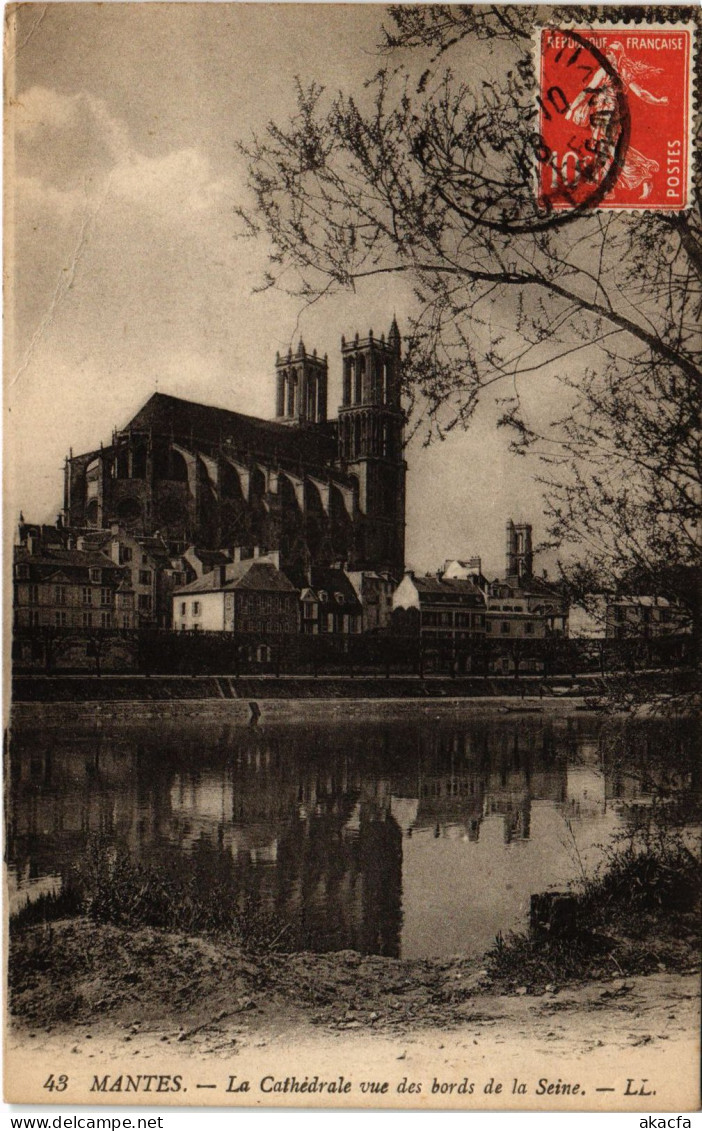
(195, 423)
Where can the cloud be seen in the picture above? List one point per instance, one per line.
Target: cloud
(63, 140)
(104, 234)
(70, 145)
(175, 185)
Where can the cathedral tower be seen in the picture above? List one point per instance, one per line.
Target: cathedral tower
(519, 552)
(371, 446)
(301, 387)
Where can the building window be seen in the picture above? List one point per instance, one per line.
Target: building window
(60, 594)
(323, 596)
(196, 628)
(330, 622)
(22, 572)
(125, 622)
(87, 620)
(183, 608)
(529, 628)
(145, 577)
(196, 610)
(144, 559)
(34, 594)
(87, 596)
(478, 620)
(61, 619)
(105, 596)
(488, 626)
(505, 628)
(339, 598)
(145, 602)
(106, 620)
(96, 575)
(125, 554)
(34, 618)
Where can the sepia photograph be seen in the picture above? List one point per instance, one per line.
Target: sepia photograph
(352, 365)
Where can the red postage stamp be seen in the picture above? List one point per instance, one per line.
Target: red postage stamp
(614, 117)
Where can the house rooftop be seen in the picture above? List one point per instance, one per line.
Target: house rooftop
(241, 575)
(458, 586)
(87, 559)
(332, 581)
(643, 602)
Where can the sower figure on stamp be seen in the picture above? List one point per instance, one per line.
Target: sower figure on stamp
(597, 104)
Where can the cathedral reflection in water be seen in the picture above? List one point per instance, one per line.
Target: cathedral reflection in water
(388, 839)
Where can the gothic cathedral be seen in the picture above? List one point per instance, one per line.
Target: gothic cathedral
(320, 491)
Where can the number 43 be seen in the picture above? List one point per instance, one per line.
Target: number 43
(56, 1083)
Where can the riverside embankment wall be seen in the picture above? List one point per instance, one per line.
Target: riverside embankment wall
(65, 699)
(238, 712)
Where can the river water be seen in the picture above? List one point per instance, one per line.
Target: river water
(407, 839)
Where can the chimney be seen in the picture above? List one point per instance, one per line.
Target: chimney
(80, 542)
(70, 542)
(256, 551)
(236, 554)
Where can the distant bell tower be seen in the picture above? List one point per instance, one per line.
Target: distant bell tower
(301, 387)
(520, 555)
(371, 446)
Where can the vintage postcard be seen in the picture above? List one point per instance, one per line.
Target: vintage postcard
(352, 373)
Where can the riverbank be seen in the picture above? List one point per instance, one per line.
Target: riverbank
(610, 968)
(89, 997)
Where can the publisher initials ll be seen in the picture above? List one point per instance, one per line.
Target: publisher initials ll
(642, 1091)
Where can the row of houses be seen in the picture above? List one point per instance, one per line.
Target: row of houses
(68, 578)
(112, 579)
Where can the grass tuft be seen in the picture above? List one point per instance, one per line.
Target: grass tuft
(639, 914)
(111, 886)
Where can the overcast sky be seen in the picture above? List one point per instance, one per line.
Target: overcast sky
(128, 277)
